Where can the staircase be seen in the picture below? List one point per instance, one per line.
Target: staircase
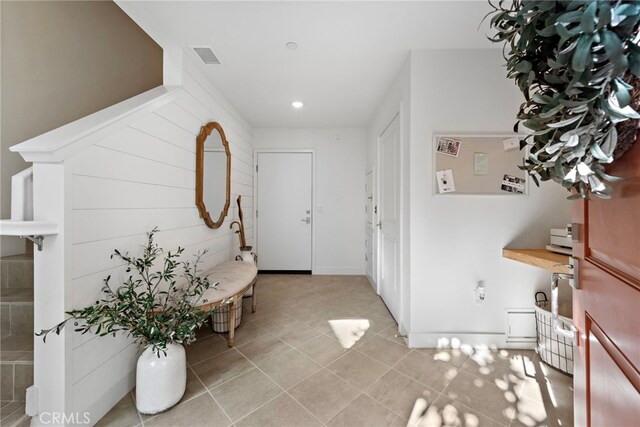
(16, 335)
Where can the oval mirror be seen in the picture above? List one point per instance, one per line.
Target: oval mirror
(213, 174)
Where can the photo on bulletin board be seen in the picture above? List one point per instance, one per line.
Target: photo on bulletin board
(448, 146)
(488, 165)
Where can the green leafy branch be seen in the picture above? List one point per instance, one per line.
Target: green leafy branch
(576, 63)
(150, 306)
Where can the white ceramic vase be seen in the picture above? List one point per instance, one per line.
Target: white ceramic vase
(160, 381)
(246, 254)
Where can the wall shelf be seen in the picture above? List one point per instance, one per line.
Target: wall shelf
(539, 258)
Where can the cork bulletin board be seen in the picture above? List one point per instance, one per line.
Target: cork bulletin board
(478, 164)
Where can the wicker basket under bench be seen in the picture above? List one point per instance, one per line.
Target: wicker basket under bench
(234, 279)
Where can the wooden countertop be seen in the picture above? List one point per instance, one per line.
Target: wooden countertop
(539, 258)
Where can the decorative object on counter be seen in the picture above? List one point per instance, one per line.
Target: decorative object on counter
(560, 240)
(213, 174)
(160, 314)
(577, 64)
(554, 350)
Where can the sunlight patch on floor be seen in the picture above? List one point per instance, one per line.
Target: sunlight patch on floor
(349, 331)
(434, 417)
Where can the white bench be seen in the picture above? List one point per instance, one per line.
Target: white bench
(234, 278)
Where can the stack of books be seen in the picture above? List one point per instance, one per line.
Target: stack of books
(561, 240)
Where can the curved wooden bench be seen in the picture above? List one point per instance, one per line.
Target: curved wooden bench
(234, 278)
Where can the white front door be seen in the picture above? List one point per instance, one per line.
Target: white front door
(284, 204)
(389, 217)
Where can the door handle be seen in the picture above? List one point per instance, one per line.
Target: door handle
(306, 220)
(556, 323)
(573, 268)
(380, 225)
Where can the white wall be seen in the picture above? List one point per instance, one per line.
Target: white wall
(396, 101)
(457, 240)
(132, 175)
(340, 177)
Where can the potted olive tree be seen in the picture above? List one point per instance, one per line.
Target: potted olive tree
(160, 310)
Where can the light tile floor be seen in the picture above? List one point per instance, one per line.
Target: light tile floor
(289, 369)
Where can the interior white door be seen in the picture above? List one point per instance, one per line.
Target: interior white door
(284, 204)
(368, 189)
(369, 246)
(389, 217)
(369, 236)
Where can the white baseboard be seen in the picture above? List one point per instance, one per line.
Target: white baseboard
(372, 283)
(340, 271)
(101, 406)
(449, 339)
(403, 331)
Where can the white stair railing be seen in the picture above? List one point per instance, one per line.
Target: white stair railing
(21, 223)
(22, 195)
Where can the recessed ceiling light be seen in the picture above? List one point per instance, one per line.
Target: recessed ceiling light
(291, 45)
(297, 104)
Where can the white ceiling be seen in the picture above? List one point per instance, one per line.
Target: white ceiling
(348, 54)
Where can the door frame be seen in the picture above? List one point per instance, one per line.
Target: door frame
(373, 280)
(311, 151)
(397, 114)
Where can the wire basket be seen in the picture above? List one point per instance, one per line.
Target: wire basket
(555, 350)
(220, 318)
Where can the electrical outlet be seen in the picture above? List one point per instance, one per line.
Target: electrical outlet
(479, 294)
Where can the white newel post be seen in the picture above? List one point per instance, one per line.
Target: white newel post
(52, 361)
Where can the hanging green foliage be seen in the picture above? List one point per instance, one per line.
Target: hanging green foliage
(576, 62)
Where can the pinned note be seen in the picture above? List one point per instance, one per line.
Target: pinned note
(511, 144)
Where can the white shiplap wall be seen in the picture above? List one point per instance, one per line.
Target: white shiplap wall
(138, 177)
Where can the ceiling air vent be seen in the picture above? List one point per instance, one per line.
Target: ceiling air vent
(206, 54)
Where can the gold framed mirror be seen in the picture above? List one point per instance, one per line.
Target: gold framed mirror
(213, 174)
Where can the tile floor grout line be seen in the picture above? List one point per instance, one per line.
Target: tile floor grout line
(385, 406)
(364, 390)
(4, 416)
(187, 400)
(305, 378)
(439, 393)
(212, 397)
(461, 403)
(280, 394)
(351, 401)
(226, 381)
(484, 379)
(133, 398)
(271, 357)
